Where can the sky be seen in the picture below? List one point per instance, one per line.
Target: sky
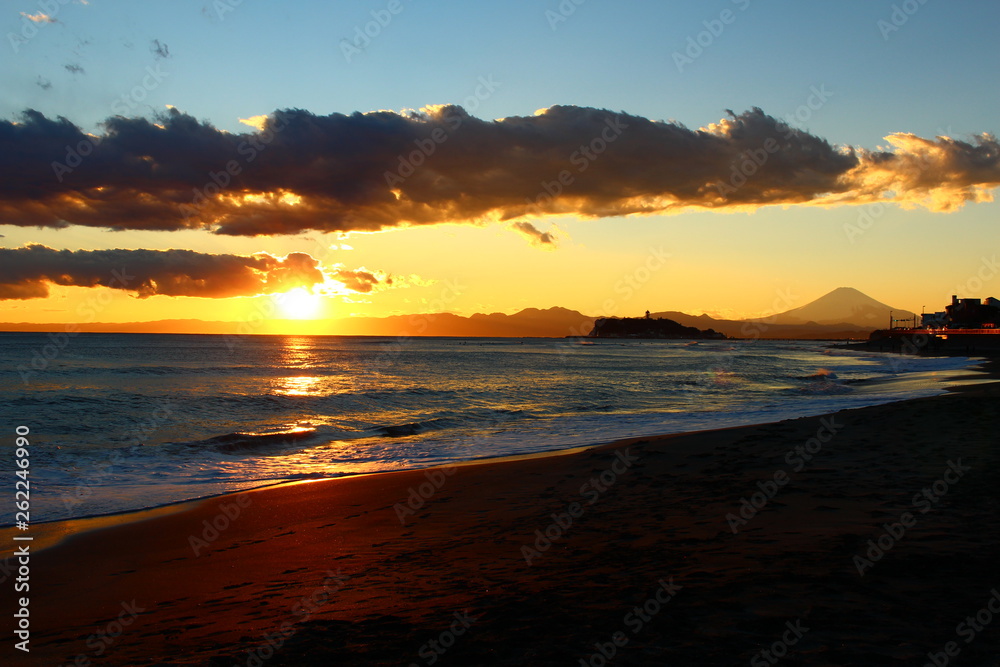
(222, 160)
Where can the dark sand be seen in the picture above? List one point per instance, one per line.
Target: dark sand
(382, 590)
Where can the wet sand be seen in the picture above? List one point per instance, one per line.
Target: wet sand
(634, 557)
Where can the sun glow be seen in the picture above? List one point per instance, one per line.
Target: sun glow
(299, 304)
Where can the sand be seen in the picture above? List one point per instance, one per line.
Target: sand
(640, 565)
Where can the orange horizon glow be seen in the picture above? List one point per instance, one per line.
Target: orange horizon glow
(719, 264)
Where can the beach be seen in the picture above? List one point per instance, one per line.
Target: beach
(867, 536)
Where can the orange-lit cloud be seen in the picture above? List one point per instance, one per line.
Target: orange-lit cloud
(26, 273)
(375, 171)
(40, 17)
(257, 122)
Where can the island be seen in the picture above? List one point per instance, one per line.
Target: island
(647, 327)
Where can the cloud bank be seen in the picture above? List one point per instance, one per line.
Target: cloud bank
(27, 273)
(380, 170)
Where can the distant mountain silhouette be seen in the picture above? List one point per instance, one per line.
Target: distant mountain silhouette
(530, 322)
(844, 305)
(764, 329)
(843, 313)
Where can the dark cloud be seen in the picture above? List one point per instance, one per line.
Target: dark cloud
(25, 273)
(361, 280)
(533, 234)
(43, 83)
(159, 49)
(383, 169)
(73, 68)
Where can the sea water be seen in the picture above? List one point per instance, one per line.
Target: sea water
(127, 421)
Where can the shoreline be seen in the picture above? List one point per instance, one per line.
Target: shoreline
(460, 550)
(52, 533)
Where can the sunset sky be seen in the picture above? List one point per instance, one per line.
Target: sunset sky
(398, 157)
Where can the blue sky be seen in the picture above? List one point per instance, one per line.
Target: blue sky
(881, 67)
(938, 70)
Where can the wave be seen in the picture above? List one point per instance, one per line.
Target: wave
(825, 387)
(824, 381)
(414, 428)
(285, 439)
(821, 374)
(242, 442)
(593, 408)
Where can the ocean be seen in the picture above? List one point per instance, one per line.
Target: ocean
(127, 421)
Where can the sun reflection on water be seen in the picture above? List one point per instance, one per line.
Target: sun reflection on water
(298, 386)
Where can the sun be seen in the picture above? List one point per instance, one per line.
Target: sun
(299, 304)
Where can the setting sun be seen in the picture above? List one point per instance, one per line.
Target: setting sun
(299, 304)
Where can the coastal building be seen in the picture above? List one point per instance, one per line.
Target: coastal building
(966, 324)
(972, 313)
(934, 320)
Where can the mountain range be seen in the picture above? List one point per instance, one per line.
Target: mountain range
(844, 305)
(843, 313)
